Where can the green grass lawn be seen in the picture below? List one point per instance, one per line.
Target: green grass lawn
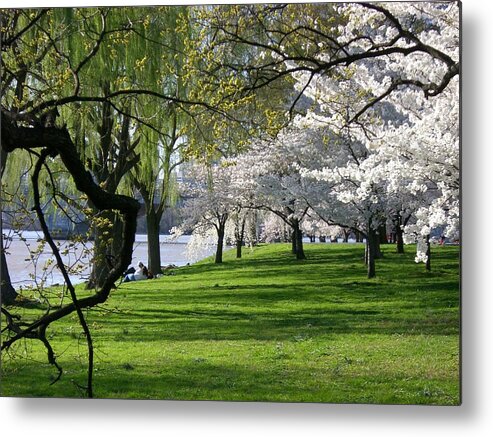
(268, 328)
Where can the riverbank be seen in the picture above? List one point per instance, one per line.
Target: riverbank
(25, 273)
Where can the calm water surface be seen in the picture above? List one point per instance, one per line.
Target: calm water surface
(24, 273)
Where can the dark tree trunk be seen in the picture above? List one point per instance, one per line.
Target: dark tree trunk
(378, 249)
(297, 240)
(239, 245)
(371, 242)
(382, 233)
(346, 235)
(240, 236)
(399, 223)
(300, 253)
(7, 291)
(322, 239)
(153, 247)
(359, 237)
(99, 268)
(399, 233)
(220, 243)
(293, 242)
(380, 237)
(399, 239)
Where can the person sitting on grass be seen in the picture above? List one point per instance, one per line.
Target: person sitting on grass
(148, 274)
(140, 274)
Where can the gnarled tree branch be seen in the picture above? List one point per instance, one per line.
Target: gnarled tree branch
(57, 141)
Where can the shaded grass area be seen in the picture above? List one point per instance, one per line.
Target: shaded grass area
(267, 327)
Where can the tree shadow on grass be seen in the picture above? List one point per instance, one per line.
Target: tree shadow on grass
(270, 310)
(273, 264)
(233, 324)
(270, 378)
(430, 294)
(269, 299)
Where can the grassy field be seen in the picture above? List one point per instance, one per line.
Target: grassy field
(267, 328)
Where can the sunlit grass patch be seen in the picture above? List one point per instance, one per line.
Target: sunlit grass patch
(267, 327)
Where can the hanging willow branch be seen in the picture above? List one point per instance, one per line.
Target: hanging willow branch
(56, 252)
(57, 141)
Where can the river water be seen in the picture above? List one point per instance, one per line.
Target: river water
(24, 272)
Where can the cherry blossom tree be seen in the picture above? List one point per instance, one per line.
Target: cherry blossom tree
(269, 173)
(369, 70)
(424, 170)
(402, 45)
(395, 144)
(210, 203)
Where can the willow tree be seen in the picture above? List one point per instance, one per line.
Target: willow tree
(108, 136)
(109, 158)
(155, 179)
(178, 132)
(45, 85)
(161, 148)
(53, 62)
